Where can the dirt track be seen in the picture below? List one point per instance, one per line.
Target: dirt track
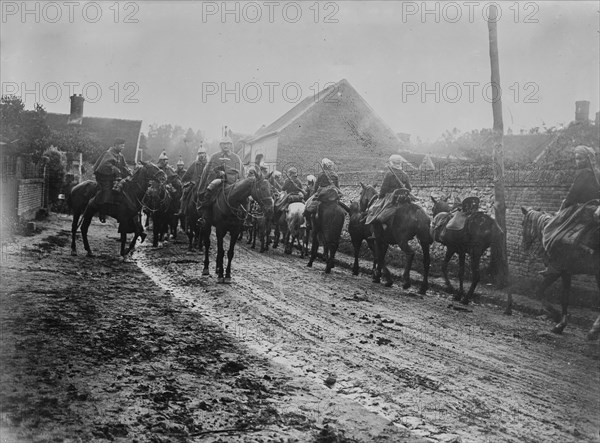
(420, 361)
(93, 350)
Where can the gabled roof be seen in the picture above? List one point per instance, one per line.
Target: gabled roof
(103, 130)
(291, 115)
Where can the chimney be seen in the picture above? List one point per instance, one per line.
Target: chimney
(597, 119)
(76, 115)
(582, 111)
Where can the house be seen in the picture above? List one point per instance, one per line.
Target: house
(337, 124)
(103, 130)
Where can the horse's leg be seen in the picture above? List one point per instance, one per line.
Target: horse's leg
(220, 255)
(205, 236)
(286, 241)
(331, 259)
(74, 227)
(546, 282)
(564, 299)
(87, 220)
(410, 256)
(123, 241)
(138, 232)
(426, 264)
(447, 258)
(230, 252)
(314, 248)
(356, 245)
(461, 275)
(594, 333)
(475, 260)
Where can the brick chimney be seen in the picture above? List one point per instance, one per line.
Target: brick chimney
(76, 115)
(582, 111)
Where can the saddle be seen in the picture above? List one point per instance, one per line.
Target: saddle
(383, 210)
(458, 222)
(575, 226)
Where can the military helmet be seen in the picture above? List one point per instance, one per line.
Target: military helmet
(395, 161)
(293, 171)
(310, 178)
(327, 164)
(180, 161)
(163, 156)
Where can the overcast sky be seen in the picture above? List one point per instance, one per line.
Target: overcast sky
(170, 62)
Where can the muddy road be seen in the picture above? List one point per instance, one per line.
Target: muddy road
(445, 372)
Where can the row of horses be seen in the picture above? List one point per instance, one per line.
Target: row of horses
(230, 210)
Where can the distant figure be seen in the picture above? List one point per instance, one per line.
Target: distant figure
(180, 168)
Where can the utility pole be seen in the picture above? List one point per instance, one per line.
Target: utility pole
(499, 255)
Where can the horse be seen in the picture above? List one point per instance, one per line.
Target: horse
(534, 222)
(226, 213)
(125, 209)
(409, 220)
(157, 204)
(190, 216)
(479, 233)
(356, 226)
(327, 228)
(295, 228)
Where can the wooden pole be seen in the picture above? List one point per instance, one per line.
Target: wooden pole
(499, 255)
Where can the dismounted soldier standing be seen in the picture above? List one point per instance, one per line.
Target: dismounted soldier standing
(110, 167)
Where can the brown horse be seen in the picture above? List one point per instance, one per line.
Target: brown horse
(327, 228)
(125, 209)
(227, 214)
(409, 221)
(480, 232)
(534, 222)
(356, 226)
(157, 204)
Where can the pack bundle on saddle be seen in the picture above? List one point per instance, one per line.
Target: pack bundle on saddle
(284, 199)
(574, 230)
(326, 194)
(454, 223)
(383, 209)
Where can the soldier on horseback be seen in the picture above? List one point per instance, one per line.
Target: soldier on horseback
(395, 179)
(326, 182)
(224, 167)
(109, 168)
(291, 191)
(194, 172)
(180, 168)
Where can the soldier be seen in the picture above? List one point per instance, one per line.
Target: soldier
(292, 185)
(180, 168)
(223, 167)
(395, 178)
(194, 172)
(276, 181)
(326, 179)
(108, 168)
(585, 186)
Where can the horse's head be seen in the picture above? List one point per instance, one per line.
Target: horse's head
(440, 205)
(366, 195)
(261, 193)
(150, 171)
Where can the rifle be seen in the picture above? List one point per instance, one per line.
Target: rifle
(412, 197)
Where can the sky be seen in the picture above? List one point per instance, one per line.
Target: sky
(423, 67)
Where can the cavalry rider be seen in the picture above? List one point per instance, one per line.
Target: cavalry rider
(310, 184)
(277, 181)
(292, 185)
(327, 179)
(194, 172)
(585, 186)
(108, 168)
(172, 177)
(192, 177)
(224, 167)
(180, 168)
(393, 180)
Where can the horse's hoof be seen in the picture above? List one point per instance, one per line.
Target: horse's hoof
(309, 264)
(464, 301)
(355, 272)
(328, 270)
(376, 280)
(558, 329)
(73, 252)
(90, 254)
(423, 291)
(205, 272)
(388, 284)
(227, 280)
(593, 334)
(406, 285)
(221, 280)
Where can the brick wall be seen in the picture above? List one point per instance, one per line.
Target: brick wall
(31, 192)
